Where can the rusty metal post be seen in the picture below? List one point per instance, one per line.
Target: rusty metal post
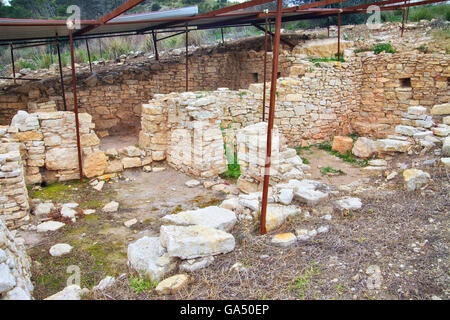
(61, 73)
(75, 103)
(273, 91)
(187, 59)
(265, 69)
(155, 44)
(12, 62)
(407, 13)
(339, 40)
(89, 54)
(328, 27)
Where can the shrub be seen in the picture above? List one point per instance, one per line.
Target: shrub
(386, 47)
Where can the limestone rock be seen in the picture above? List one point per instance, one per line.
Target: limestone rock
(441, 109)
(342, 144)
(192, 183)
(72, 292)
(43, 209)
(286, 196)
(391, 145)
(284, 239)
(348, 203)
(173, 284)
(112, 206)
(230, 204)
(7, 280)
(364, 148)
(114, 166)
(193, 265)
(60, 249)
(130, 223)
(150, 259)
(131, 162)
(310, 192)
(276, 215)
(61, 159)
(378, 163)
(17, 294)
(446, 162)
(213, 217)
(415, 178)
(95, 164)
(195, 241)
(105, 283)
(49, 226)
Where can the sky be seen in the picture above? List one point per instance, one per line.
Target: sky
(5, 1)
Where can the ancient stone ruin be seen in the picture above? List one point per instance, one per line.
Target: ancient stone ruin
(386, 114)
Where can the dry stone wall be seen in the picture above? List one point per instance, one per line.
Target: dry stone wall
(390, 83)
(15, 266)
(184, 129)
(14, 195)
(113, 97)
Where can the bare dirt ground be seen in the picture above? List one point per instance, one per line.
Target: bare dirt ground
(100, 240)
(118, 141)
(404, 234)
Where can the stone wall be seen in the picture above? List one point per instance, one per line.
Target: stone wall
(15, 266)
(114, 95)
(50, 145)
(14, 195)
(185, 129)
(390, 83)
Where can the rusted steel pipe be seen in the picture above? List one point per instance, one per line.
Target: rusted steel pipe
(89, 54)
(273, 91)
(328, 27)
(187, 59)
(339, 39)
(12, 63)
(61, 74)
(75, 104)
(155, 44)
(265, 70)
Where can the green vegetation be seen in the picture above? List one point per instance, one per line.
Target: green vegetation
(331, 170)
(386, 47)
(326, 146)
(233, 172)
(55, 191)
(317, 60)
(427, 12)
(302, 283)
(139, 285)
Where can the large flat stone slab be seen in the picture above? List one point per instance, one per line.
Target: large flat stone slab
(150, 259)
(214, 217)
(277, 214)
(188, 242)
(308, 191)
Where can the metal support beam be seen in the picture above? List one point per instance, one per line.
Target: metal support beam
(75, 104)
(290, 44)
(273, 90)
(265, 69)
(187, 59)
(339, 40)
(221, 31)
(328, 27)
(111, 15)
(61, 74)
(12, 63)
(155, 44)
(89, 54)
